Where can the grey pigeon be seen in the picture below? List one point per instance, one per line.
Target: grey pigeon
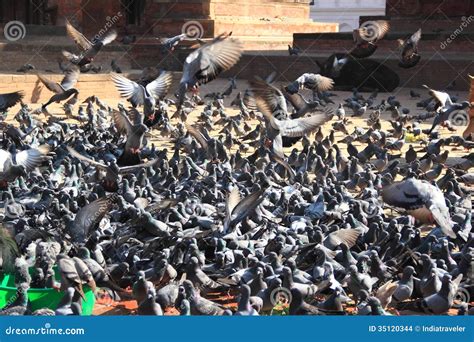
(422, 200)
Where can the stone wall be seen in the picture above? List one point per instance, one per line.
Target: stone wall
(268, 22)
(346, 12)
(432, 8)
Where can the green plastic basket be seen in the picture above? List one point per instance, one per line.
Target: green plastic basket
(42, 297)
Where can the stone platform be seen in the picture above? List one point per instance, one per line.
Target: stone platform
(259, 24)
(35, 92)
(437, 68)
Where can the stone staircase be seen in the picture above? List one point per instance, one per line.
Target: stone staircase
(258, 25)
(264, 52)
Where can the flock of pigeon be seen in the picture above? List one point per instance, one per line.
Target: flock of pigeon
(226, 223)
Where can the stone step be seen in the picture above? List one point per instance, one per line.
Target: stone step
(340, 42)
(432, 25)
(46, 58)
(44, 51)
(88, 84)
(234, 8)
(271, 28)
(241, 27)
(437, 71)
(42, 30)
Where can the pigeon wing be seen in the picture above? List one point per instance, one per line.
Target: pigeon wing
(160, 86)
(135, 116)
(78, 37)
(232, 200)
(70, 79)
(302, 126)
(196, 134)
(10, 99)
(346, 236)
(272, 96)
(318, 82)
(82, 158)
(383, 27)
(122, 122)
(278, 147)
(33, 157)
(90, 215)
(297, 100)
(217, 56)
(84, 273)
(51, 85)
(109, 37)
(385, 292)
(132, 168)
(415, 38)
(441, 218)
(129, 89)
(248, 204)
(403, 195)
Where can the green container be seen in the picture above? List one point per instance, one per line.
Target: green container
(42, 298)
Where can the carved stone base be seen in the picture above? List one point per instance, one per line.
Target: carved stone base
(260, 24)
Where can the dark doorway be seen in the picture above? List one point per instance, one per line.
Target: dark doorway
(30, 12)
(134, 11)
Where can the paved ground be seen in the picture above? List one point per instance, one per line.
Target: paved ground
(402, 95)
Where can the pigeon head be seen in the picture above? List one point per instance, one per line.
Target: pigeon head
(293, 87)
(363, 295)
(188, 288)
(83, 253)
(353, 269)
(374, 303)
